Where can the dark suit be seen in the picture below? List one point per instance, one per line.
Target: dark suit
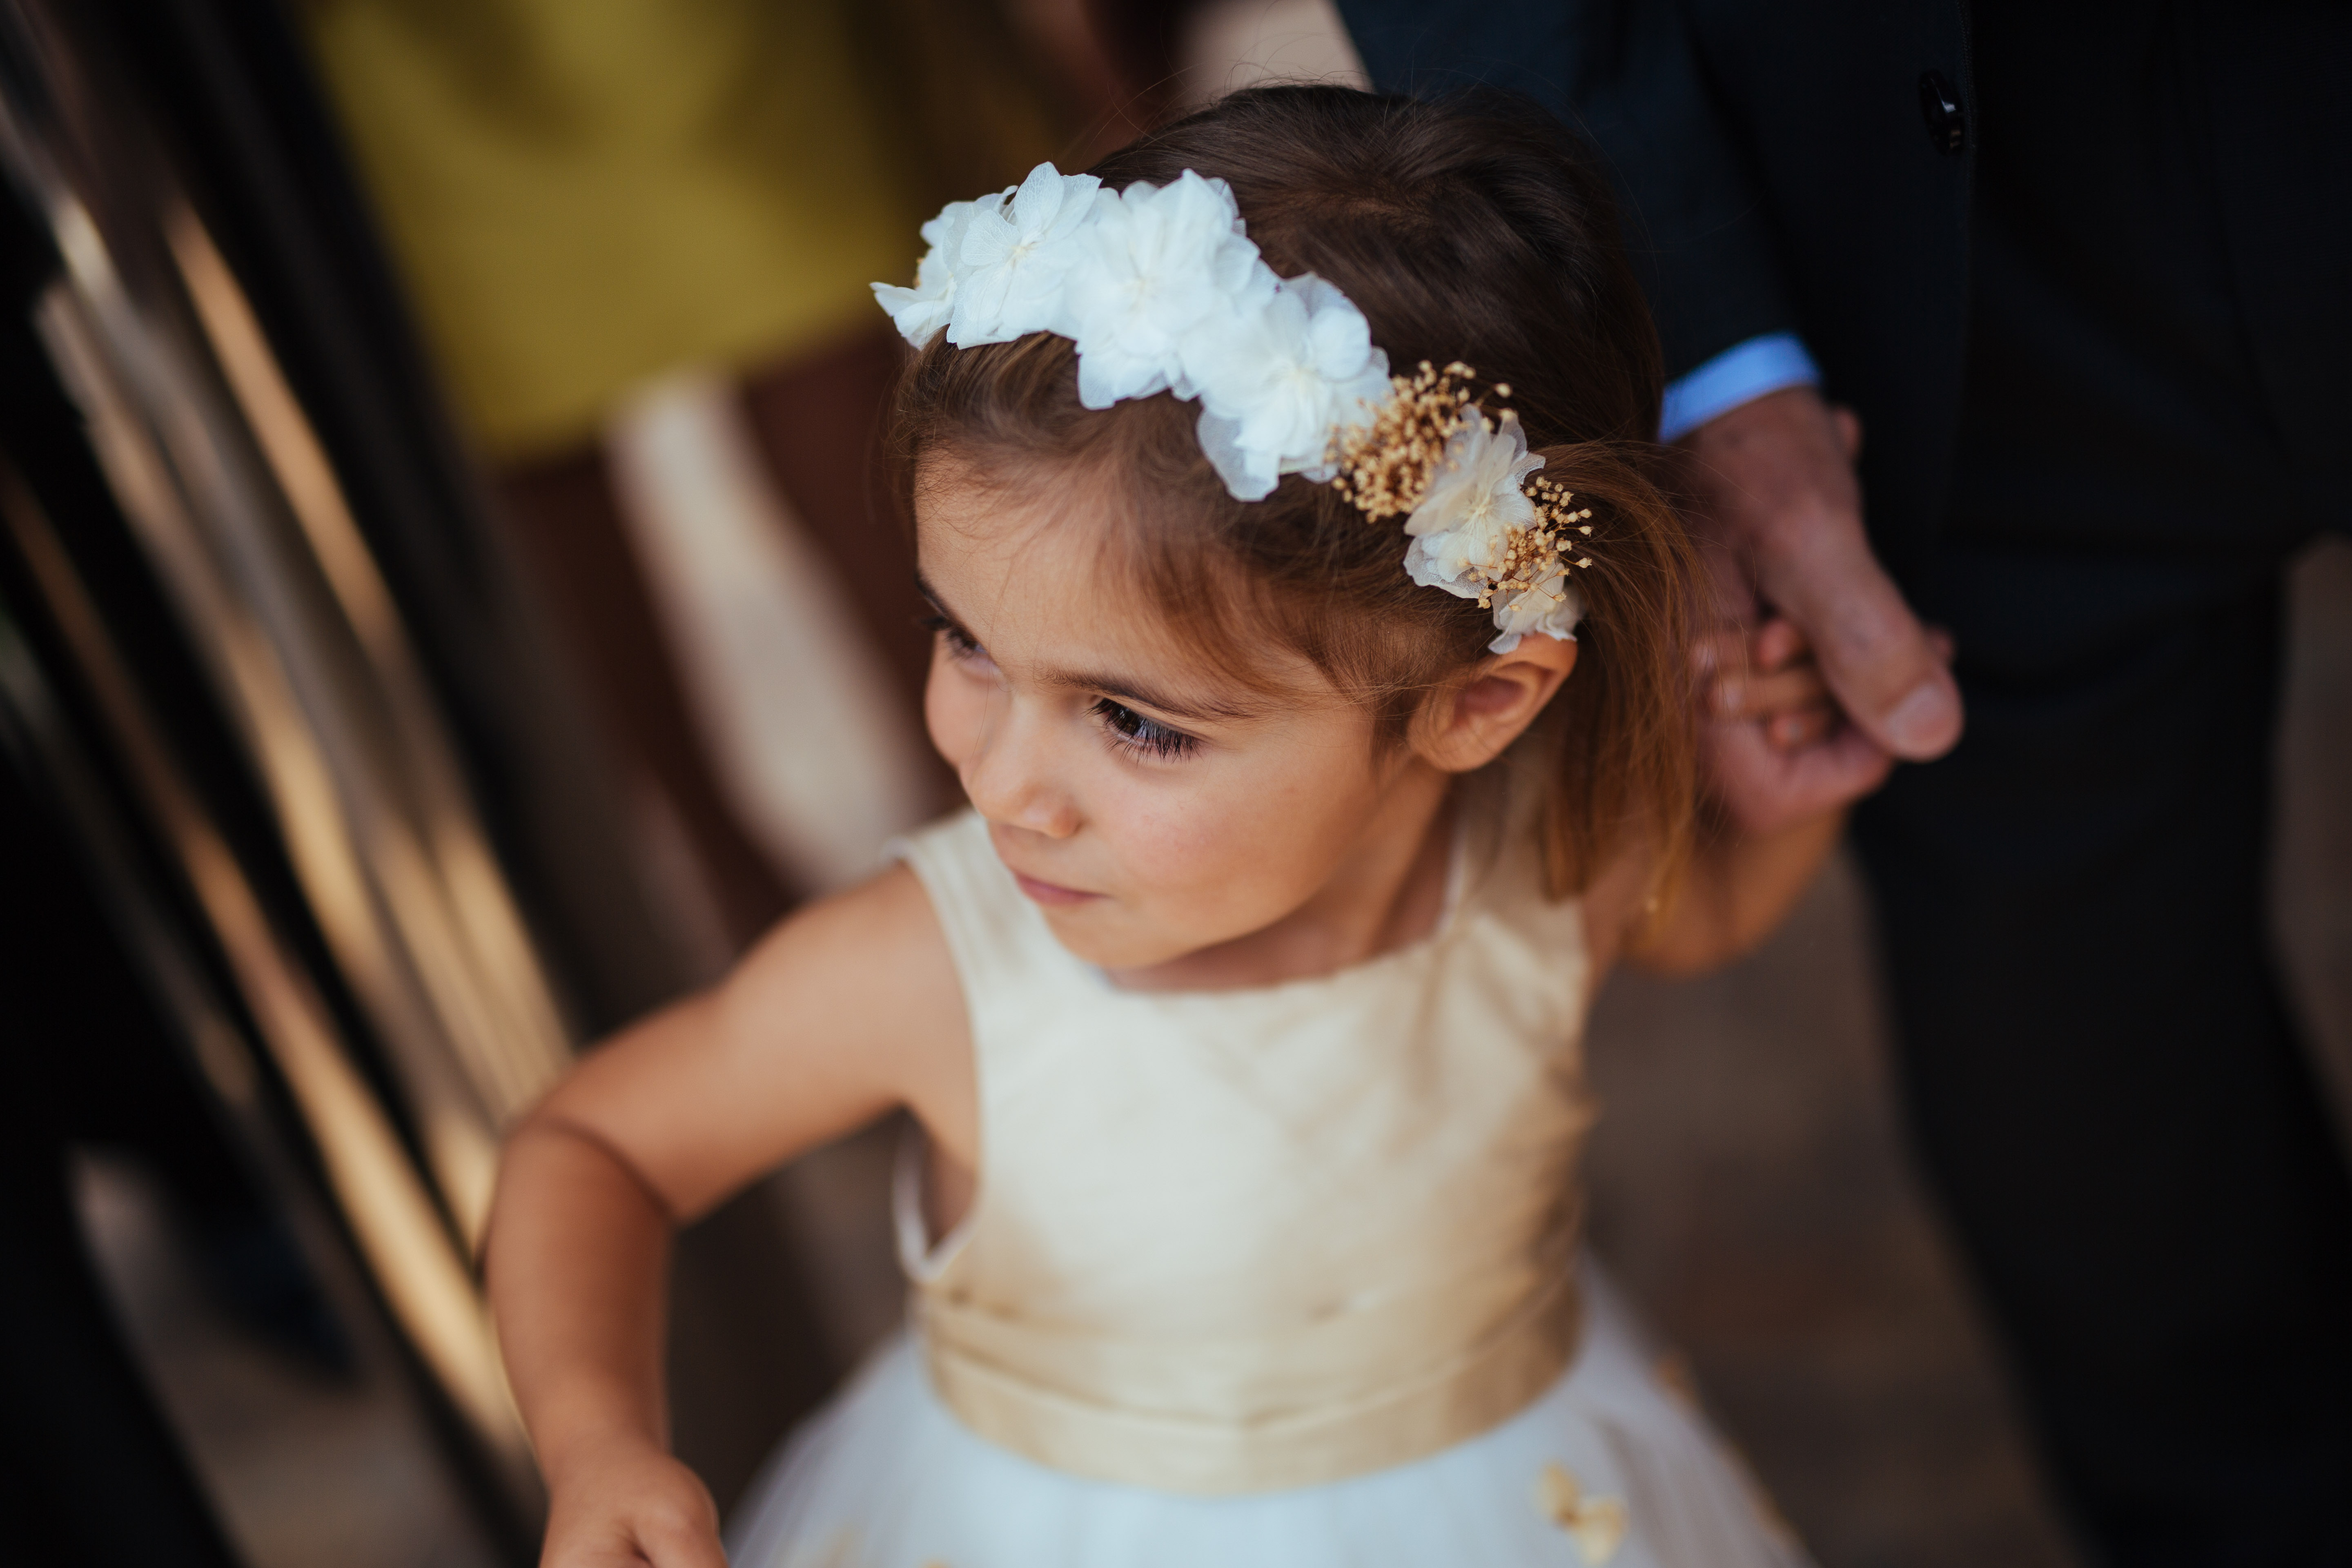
(2096, 317)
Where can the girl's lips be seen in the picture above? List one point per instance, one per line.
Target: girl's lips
(1048, 893)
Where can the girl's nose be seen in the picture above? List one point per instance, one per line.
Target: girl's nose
(1010, 779)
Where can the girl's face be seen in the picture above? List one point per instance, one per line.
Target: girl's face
(1149, 807)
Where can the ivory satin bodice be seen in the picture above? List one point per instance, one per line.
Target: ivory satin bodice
(1239, 1240)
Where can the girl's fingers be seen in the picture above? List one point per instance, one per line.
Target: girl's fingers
(700, 1550)
(1767, 676)
(1760, 696)
(1795, 731)
(1778, 642)
(1738, 653)
(1721, 653)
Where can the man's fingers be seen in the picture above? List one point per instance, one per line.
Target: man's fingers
(1872, 650)
(1849, 430)
(1776, 491)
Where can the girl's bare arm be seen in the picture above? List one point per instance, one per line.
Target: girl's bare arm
(1769, 712)
(844, 1012)
(1740, 885)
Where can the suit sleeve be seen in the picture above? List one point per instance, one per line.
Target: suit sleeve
(1627, 74)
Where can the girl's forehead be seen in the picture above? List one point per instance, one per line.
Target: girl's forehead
(1030, 578)
(1015, 565)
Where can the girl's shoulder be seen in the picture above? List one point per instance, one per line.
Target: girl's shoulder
(860, 966)
(997, 940)
(1504, 806)
(857, 999)
(845, 1011)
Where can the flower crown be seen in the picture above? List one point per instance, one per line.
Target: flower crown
(1163, 291)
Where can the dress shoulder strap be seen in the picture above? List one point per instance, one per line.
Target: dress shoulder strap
(1001, 945)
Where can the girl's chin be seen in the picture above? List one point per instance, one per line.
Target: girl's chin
(1089, 931)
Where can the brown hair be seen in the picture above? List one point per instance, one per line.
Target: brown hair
(1479, 233)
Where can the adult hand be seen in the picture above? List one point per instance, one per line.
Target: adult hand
(1778, 516)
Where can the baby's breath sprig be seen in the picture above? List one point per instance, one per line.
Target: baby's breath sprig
(1554, 504)
(1530, 558)
(1385, 466)
(1392, 466)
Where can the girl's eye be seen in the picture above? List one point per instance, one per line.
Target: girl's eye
(1136, 733)
(959, 641)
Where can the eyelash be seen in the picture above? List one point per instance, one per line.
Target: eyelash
(1129, 730)
(959, 641)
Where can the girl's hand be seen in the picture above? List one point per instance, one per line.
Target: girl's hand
(1775, 750)
(1780, 763)
(1769, 677)
(627, 1505)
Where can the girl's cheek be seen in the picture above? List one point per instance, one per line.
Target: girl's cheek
(1192, 840)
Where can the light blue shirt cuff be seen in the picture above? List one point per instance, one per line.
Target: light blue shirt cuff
(1741, 374)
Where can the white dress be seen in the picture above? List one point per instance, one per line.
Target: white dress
(1279, 1278)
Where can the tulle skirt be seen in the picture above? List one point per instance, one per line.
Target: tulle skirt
(1610, 1465)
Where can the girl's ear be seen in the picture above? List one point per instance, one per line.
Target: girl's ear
(1468, 726)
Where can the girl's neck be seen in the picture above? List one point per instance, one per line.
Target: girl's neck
(1389, 894)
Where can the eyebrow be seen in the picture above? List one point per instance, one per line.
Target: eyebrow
(1119, 688)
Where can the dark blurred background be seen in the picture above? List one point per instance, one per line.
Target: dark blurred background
(450, 604)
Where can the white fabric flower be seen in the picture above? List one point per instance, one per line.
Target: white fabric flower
(1157, 262)
(1430, 572)
(1461, 530)
(1161, 290)
(1475, 491)
(1461, 527)
(1551, 607)
(1276, 381)
(1013, 258)
(919, 311)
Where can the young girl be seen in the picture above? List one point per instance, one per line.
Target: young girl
(1241, 1012)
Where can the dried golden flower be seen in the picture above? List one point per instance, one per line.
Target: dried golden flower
(1384, 467)
(1514, 545)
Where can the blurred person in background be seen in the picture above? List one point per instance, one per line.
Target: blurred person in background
(638, 234)
(2084, 270)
